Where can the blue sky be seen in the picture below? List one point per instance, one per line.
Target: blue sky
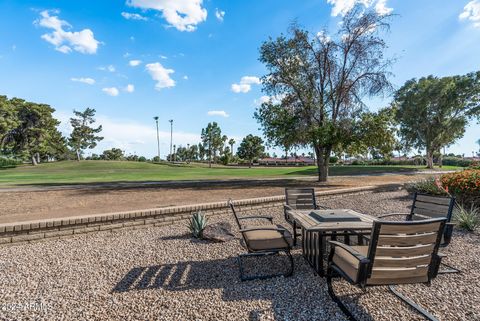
(196, 61)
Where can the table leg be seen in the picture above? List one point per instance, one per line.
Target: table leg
(294, 233)
(321, 244)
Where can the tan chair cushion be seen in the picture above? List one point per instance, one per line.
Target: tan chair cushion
(347, 262)
(265, 240)
(349, 265)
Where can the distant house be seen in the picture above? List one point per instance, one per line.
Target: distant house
(290, 161)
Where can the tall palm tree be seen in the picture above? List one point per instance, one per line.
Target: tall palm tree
(231, 142)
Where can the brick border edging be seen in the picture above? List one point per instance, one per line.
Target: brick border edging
(65, 227)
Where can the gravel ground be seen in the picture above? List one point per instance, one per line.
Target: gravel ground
(159, 273)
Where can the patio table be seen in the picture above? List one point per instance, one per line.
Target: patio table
(315, 231)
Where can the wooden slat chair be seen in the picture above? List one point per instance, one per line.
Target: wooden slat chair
(299, 199)
(262, 240)
(398, 253)
(426, 207)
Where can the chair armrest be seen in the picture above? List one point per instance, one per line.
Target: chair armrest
(256, 217)
(263, 228)
(350, 250)
(287, 207)
(393, 214)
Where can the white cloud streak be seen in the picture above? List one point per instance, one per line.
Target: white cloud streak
(63, 40)
(220, 113)
(245, 84)
(161, 75)
(134, 63)
(184, 15)
(130, 88)
(342, 7)
(85, 80)
(111, 91)
(133, 16)
(471, 12)
(220, 14)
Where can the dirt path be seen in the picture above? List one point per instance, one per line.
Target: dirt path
(34, 205)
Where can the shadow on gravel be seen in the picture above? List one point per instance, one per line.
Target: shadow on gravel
(302, 296)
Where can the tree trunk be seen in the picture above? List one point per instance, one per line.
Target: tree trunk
(78, 155)
(440, 160)
(430, 159)
(37, 155)
(323, 157)
(34, 160)
(250, 163)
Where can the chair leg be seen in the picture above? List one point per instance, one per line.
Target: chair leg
(449, 269)
(261, 277)
(335, 299)
(412, 304)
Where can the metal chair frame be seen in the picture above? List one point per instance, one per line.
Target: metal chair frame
(266, 252)
(366, 266)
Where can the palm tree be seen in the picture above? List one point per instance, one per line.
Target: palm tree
(231, 142)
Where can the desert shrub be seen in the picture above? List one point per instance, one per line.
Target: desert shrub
(474, 165)
(197, 224)
(464, 185)
(468, 219)
(9, 162)
(430, 185)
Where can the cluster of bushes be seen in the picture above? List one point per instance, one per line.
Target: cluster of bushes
(456, 161)
(464, 186)
(9, 162)
(416, 161)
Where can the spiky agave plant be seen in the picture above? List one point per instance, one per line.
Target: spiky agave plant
(197, 224)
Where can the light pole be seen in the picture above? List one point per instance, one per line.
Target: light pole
(171, 137)
(158, 139)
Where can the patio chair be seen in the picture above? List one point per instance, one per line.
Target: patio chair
(426, 207)
(299, 199)
(262, 240)
(398, 253)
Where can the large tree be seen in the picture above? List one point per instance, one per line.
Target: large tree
(35, 134)
(321, 80)
(8, 118)
(212, 141)
(434, 112)
(251, 148)
(83, 135)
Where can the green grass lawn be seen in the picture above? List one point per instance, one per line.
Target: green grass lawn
(113, 171)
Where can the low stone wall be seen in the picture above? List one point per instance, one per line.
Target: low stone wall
(59, 228)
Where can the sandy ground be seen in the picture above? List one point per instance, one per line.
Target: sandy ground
(160, 273)
(35, 205)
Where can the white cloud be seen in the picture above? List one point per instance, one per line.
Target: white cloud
(110, 68)
(245, 84)
(66, 41)
(133, 16)
(184, 15)
(163, 57)
(277, 99)
(382, 9)
(185, 77)
(111, 91)
(472, 12)
(342, 7)
(85, 80)
(134, 63)
(130, 88)
(220, 14)
(221, 113)
(161, 75)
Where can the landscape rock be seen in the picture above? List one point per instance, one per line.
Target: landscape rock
(218, 232)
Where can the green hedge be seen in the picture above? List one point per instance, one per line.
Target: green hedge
(455, 161)
(9, 162)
